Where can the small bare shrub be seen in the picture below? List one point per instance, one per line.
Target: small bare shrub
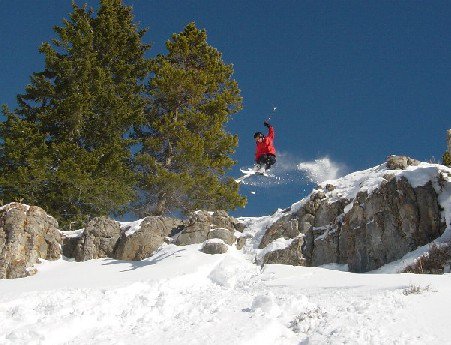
(307, 320)
(415, 290)
(433, 262)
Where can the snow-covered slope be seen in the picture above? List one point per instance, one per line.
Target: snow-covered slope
(183, 296)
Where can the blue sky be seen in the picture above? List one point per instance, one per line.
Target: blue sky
(352, 80)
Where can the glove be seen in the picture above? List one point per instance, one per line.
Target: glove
(266, 123)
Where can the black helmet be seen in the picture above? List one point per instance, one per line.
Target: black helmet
(258, 135)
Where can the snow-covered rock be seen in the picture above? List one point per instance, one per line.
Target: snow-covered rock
(201, 223)
(224, 234)
(98, 239)
(105, 238)
(400, 162)
(290, 255)
(137, 243)
(214, 246)
(369, 218)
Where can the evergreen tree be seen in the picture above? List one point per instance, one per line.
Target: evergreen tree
(185, 147)
(66, 147)
(446, 160)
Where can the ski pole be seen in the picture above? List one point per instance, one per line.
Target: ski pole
(273, 112)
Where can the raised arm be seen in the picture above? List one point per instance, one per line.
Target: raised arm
(270, 130)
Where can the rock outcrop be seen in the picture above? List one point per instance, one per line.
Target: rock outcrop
(103, 237)
(203, 225)
(147, 239)
(400, 162)
(98, 240)
(291, 255)
(27, 234)
(365, 231)
(316, 221)
(393, 221)
(223, 234)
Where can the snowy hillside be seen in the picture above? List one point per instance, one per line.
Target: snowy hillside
(183, 296)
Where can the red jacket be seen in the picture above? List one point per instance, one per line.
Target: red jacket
(266, 145)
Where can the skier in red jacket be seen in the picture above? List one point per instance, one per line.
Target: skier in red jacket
(265, 153)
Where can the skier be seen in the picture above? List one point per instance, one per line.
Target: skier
(265, 153)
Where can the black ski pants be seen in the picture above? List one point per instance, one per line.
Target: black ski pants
(267, 159)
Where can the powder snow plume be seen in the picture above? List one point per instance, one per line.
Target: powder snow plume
(288, 172)
(322, 169)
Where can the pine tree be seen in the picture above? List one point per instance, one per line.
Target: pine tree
(67, 146)
(185, 147)
(446, 160)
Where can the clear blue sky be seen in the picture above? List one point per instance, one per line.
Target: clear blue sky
(353, 80)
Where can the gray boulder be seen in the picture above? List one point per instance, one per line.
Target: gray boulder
(292, 255)
(98, 240)
(147, 239)
(222, 233)
(201, 222)
(27, 233)
(215, 246)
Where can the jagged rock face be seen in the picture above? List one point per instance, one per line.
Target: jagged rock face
(301, 222)
(321, 228)
(287, 227)
(145, 241)
(377, 229)
(27, 234)
(201, 223)
(98, 240)
(386, 225)
(317, 221)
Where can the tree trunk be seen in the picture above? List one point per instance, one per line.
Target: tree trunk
(160, 207)
(448, 140)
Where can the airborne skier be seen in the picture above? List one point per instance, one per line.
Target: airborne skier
(265, 152)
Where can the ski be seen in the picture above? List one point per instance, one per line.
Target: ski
(250, 172)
